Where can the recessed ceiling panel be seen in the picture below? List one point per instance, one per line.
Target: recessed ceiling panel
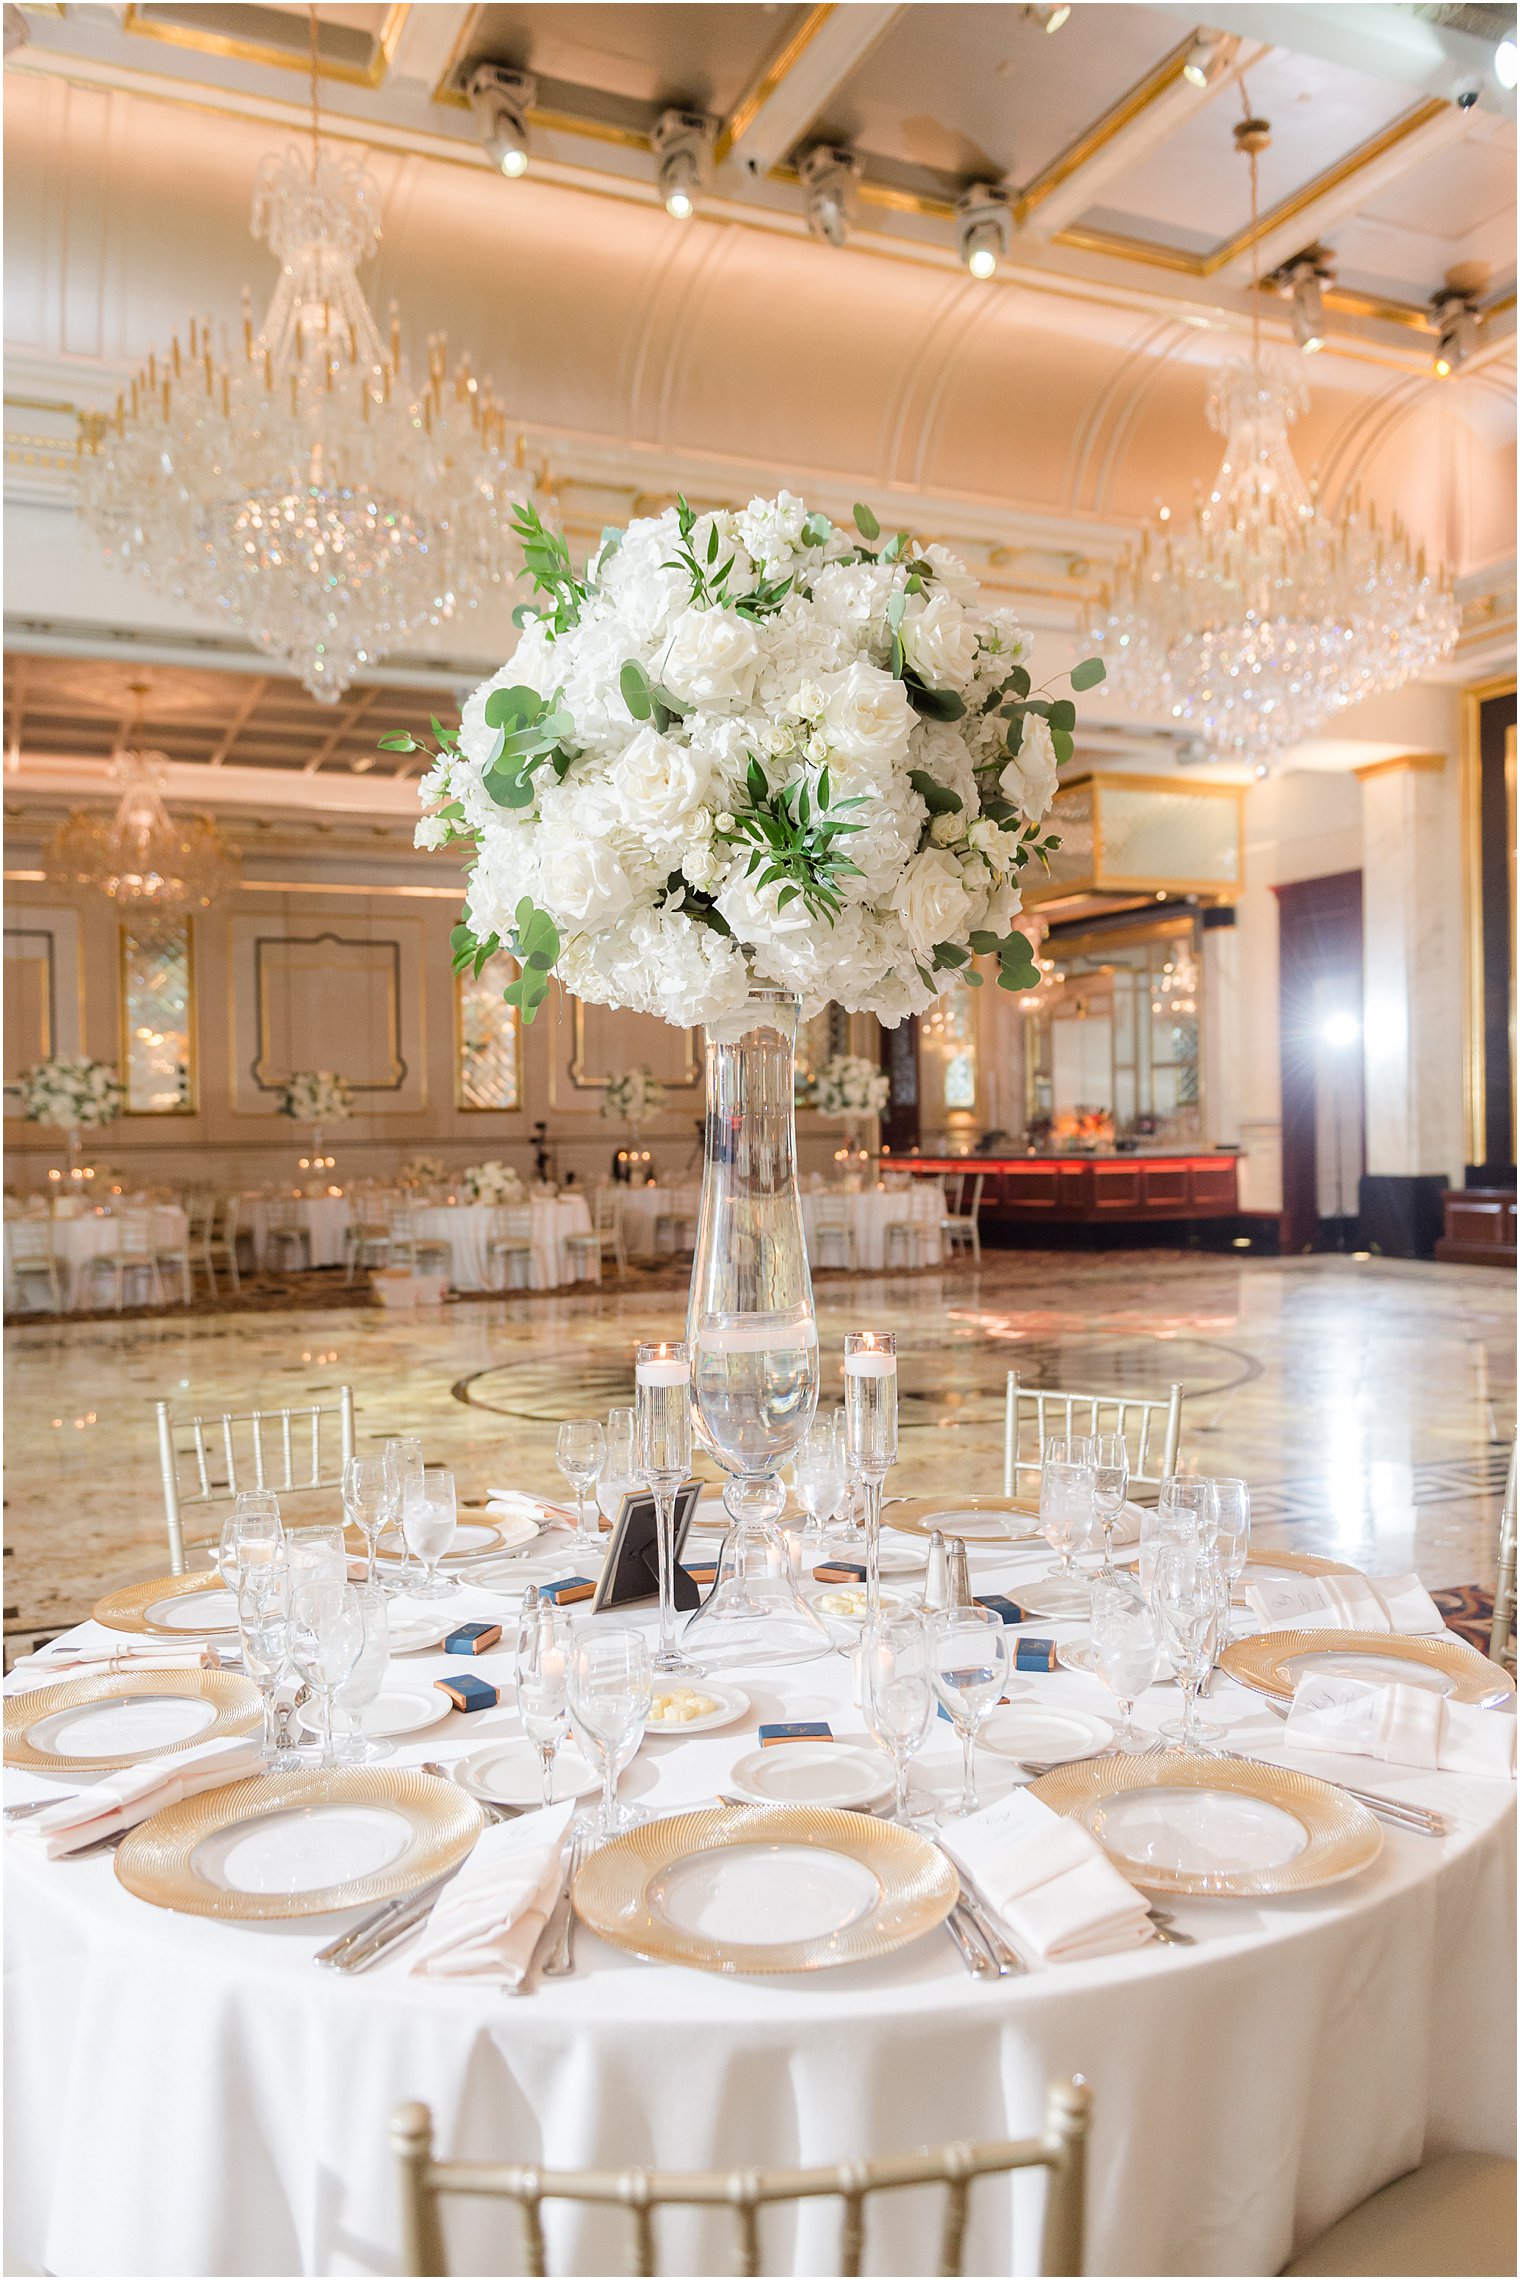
(700, 54)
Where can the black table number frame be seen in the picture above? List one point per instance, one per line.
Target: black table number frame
(630, 1574)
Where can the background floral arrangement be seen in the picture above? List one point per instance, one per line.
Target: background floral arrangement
(750, 745)
(493, 1182)
(74, 1095)
(423, 1171)
(633, 1097)
(316, 1096)
(850, 1085)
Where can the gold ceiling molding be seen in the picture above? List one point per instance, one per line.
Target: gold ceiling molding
(372, 74)
(1421, 763)
(771, 76)
(1101, 133)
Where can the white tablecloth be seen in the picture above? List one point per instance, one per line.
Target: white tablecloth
(870, 1215)
(325, 1218)
(642, 1206)
(77, 1241)
(466, 1228)
(195, 2098)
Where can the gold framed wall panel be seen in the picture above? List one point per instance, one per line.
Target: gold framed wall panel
(59, 929)
(190, 1104)
(361, 985)
(1039, 887)
(605, 1040)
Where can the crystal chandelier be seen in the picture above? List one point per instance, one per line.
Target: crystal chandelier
(299, 485)
(144, 862)
(1268, 613)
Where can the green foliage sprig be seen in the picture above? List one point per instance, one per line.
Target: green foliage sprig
(793, 836)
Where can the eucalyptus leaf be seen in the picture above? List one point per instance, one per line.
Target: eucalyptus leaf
(1088, 674)
(865, 521)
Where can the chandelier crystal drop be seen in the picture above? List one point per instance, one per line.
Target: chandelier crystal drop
(299, 485)
(1268, 613)
(141, 860)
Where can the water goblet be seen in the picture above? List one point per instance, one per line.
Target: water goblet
(898, 1695)
(1186, 1512)
(364, 1681)
(580, 1451)
(969, 1667)
(820, 1471)
(543, 1683)
(611, 1687)
(1126, 1640)
(405, 1454)
(1191, 1597)
(372, 1501)
(263, 1618)
(326, 1635)
(429, 1521)
(254, 1519)
(1110, 1471)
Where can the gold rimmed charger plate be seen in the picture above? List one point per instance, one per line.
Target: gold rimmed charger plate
(165, 1859)
(922, 1515)
(1339, 1837)
(391, 1544)
(235, 1701)
(1262, 1662)
(127, 1609)
(624, 1891)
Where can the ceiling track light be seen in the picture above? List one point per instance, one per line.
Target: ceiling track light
(501, 100)
(682, 143)
(1301, 282)
(828, 175)
(1456, 312)
(984, 222)
(1206, 58)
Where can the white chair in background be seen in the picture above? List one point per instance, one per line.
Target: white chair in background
(30, 1259)
(960, 1223)
(418, 1252)
(509, 1246)
(169, 1230)
(288, 1450)
(221, 1242)
(367, 1237)
(833, 1229)
(130, 1252)
(1152, 1430)
(287, 1235)
(675, 1228)
(908, 1239)
(603, 1237)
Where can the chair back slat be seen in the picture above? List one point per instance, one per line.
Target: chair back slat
(852, 2232)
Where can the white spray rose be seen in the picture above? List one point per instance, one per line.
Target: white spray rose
(945, 830)
(951, 573)
(989, 839)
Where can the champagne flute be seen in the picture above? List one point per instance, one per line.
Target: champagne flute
(543, 1680)
(820, 1471)
(870, 1418)
(899, 1695)
(1187, 1511)
(365, 1679)
(1110, 1471)
(580, 1451)
(611, 1687)
(1232, 1525)
(619, 1471)
(1126, 1648)
(662, 1386)
(372, 1500)
(429, 1522)
(969, 1668)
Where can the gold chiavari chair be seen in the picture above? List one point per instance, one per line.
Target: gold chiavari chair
(222, 1241)
(961, 1223)
(1060, 2149)
(604, 1237)
(509, 1247)
(1152, 1430)
(832, 1229)
(287, 1450)
(31, 1259)
(130, 1252)
(1503, 1631)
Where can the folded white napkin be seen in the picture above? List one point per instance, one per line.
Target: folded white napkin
(1061, 1898)
(1126, 1531)
(129, 1797)
(519, 1521)
(102, 1661)
(487, 1922)
(517, 1501)
(1404, 1725)
(1394, 1603)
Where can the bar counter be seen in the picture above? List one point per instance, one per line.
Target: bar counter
(1090, 1191)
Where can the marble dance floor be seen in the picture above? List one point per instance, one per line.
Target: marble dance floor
(1368, 1402)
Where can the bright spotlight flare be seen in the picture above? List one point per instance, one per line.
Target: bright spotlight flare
(1340, 1030)
(984, 222)
(501, 100)
(1507, 61)
(682, 145)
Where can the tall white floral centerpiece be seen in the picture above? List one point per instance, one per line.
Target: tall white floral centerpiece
(631, 1099)
(316, 1097)
(493, 1182)
(742, 760)
(851, 1087)
(75, 1096)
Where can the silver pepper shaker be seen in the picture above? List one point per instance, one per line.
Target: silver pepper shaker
(960, 1575)
(937, 1580)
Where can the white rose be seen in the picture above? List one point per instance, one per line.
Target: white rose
(704, 863)
(945, 830)
(951, 573)
(932, 901)
(1029, 779)
(867, 715)
(583, 884)
(710, 660)
(1004, 903)
(939, 641)
(433, 831)
(656, 784)
(990, 839)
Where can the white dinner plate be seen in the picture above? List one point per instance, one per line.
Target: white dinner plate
(1058, 1602)
(1201, 1832)
(1078, 1655)
(731, 1704)
(413, 1630)
(896, 1559)
(471, 1539)
(201, 1614)
(509, 1578)
(1037, 1733)
(756, 1895)
(508, 1773)
(309, 1849)
(128, 1725)
(406, 1707)
(812, 1773)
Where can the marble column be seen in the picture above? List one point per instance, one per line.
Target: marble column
(1412, 971)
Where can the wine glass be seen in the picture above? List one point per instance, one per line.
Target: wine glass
(543, 1682)
(619, 1471)
(580, 1451)
(611, 1687)
(1066, 1513)
(1110, 1463)
(263, 1618)
(899, 1695)
(1186, 1512)
(1191, 1595)
(326, 1635)
(1232, 1526)
(372, 1500)
(1126, 1640)
(405, 1454)
(969, 1667)
(254, 1519)
(428, 1521)
(820, 1470)
(366, 1678)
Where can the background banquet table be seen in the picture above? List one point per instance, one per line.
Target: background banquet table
(466, 1228)
(228, 2103)
(325, 1218)
(641, 1208)
(92, 1236)
(871, 1214)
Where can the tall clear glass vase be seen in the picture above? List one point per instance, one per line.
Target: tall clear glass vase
(753, 1335)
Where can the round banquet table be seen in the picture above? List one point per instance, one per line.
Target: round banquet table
(325, 1218)
(641, 1208)
(872, 1212)
(190, 2097)
(466, 1228)
(93, 1235)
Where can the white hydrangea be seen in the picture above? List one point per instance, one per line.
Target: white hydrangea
(708, 668)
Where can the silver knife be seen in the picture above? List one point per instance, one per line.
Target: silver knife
(358, 1935)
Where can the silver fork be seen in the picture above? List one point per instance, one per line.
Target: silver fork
(559, 1963)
